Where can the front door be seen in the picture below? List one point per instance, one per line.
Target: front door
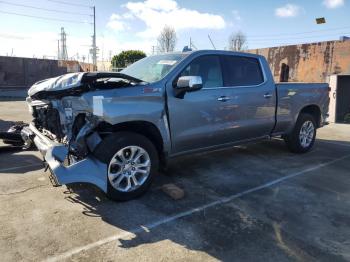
(199, 119)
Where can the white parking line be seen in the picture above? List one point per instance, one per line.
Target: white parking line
(19, 167)
(169, 219)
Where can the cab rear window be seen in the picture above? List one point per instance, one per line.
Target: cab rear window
(242, 71)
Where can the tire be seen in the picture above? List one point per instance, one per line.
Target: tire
(294, 140)
(122, 145)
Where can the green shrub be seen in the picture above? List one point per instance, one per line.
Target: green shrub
(126, 58)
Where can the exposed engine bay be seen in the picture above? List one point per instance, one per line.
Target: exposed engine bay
(65, 121)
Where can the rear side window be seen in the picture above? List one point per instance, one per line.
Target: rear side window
(242, 71)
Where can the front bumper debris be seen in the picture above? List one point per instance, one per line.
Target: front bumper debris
(13, 136)
(89, 170)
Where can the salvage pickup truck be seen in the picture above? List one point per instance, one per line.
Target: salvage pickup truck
(116, 130)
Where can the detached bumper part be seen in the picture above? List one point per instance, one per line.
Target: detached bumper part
(13, 136)
(89, 170)
(325, 120)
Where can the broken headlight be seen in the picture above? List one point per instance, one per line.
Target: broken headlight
(68, 81)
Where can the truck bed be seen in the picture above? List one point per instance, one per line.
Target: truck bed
(292, 97)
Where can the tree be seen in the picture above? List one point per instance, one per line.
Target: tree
(167, 39)
(126, 58)
(237, 41)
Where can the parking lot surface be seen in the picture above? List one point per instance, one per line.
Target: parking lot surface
(256, 202)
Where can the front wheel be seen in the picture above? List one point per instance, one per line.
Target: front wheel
(132, 161)
(303, 136)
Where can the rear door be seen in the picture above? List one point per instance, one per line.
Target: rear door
(251, 96)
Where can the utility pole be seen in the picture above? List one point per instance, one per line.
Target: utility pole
(155, 50)
(58, 50)
(63, 53)
(192, 46)
(94, 48)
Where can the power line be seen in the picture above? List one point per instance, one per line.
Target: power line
(46, 18)
(68, 3)
(12, 37)
(284, 43)
(94, 48)
(295, 38)
(301, 33)
(280, 44)
(45, 9)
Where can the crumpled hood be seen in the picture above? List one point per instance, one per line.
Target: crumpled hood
(59, 83)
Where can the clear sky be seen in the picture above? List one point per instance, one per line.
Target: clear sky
(135, 24)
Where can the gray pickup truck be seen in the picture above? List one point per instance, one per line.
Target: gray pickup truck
(116, 130)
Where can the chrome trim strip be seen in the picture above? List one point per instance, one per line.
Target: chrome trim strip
(209, 149)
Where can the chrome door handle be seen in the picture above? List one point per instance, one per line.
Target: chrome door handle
(267, 95)
(223, 98)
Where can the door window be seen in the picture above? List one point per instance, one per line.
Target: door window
(242, 71)
(207, 67)
(284, 73)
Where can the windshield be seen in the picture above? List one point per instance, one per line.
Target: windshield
(153, 68)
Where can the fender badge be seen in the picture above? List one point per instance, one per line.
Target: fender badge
(148, 90)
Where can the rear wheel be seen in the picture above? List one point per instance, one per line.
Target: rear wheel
(132, 161)
(303, 136)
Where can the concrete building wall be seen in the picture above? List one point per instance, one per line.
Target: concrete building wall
(20, 73)
(75, 66)
(104, 66)
(313, 62)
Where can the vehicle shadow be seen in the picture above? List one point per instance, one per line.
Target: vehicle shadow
(133, 216)
(219, 232)
(9, 149)
(12, 163)
(12, 98)
(5, 125)
(333, 143)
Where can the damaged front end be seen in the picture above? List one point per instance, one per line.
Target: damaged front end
(63, 166)
(66, 121)
(64, 127)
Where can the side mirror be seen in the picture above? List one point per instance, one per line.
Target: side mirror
(189, 83)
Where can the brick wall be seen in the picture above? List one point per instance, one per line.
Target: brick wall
(309, 62)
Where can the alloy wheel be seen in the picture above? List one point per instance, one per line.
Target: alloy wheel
(129, 168)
